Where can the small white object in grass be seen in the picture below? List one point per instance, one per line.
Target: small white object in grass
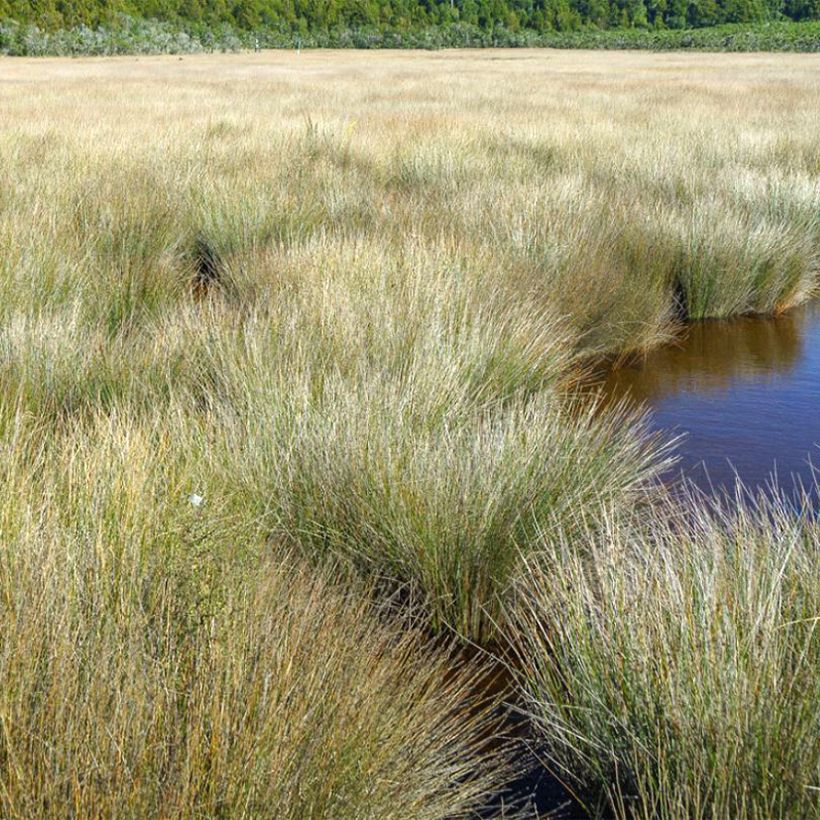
(196, 500)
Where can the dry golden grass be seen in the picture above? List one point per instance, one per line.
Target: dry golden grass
(607, 185)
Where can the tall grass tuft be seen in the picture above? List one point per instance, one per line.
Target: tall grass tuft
(150, 667)
(424, 434)
(671, 662)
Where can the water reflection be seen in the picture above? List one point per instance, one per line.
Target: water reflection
(744, 392)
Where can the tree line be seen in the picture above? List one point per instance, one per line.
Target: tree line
(312, 16)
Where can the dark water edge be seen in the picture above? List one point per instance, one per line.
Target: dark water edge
(534, 791)
(744, 395)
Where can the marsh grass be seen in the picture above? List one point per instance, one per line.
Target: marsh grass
(352, 316)
(149, 666)
(671, 662)
(419, 455)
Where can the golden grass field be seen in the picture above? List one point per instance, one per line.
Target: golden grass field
(347, 299)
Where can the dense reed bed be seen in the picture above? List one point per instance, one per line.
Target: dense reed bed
(290, 351)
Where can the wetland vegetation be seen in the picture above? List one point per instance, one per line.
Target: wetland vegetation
(292, 355)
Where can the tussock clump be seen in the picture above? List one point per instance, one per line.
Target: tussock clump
(151, 665)
(433, 446)
(671, 661)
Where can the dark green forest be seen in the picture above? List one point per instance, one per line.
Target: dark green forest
(311, 16)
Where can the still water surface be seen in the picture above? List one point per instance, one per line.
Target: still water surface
(745, 394)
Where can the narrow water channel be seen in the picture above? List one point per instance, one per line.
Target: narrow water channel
(744, 394)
